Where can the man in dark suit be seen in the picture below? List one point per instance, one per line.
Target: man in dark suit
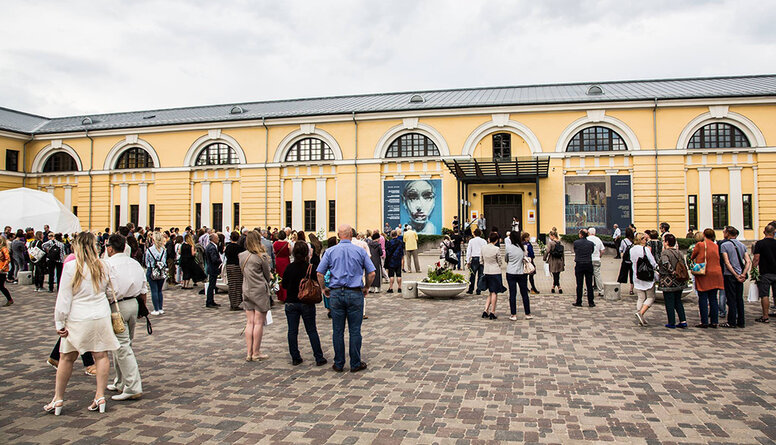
(213, 265)
(583, 256)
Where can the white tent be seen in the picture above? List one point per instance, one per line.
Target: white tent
(21, 208)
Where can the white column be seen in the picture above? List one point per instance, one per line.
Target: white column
(755, 205)
(705, 218)
(297, 211)
(320, 204)
(205, 204)
(142, 214)
(124, 204)
(226, 220)
(50, 189)
(736, 200)
(69, 197)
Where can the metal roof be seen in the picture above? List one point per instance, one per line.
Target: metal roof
(20, 122)
(499, 171)
(662, 89)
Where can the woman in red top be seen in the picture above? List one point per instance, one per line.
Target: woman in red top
(707, 285)
(282, 259)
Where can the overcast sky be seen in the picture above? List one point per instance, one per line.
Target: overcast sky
(71, 57)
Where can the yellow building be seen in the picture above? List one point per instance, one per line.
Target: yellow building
(691, 152)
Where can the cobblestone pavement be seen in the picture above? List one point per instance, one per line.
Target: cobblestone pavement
(438, 373)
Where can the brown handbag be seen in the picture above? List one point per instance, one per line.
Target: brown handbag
(309, 289)
(115, 317)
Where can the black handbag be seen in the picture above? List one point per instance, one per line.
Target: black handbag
(142, 311)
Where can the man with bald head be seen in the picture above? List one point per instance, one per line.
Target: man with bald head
(347, 289)
(213, 266)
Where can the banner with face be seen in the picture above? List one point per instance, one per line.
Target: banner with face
(415, 202)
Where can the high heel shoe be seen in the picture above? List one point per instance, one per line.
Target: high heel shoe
(96, 405)
(55, 406)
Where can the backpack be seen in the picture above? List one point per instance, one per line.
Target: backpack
(557, 250)
(681, 272)
(158, 269)
(644, 269)
(54, 253)
(309, 289)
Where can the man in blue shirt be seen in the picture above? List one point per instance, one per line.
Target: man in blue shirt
(347, 263)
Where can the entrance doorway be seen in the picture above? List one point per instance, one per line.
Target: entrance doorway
(499, 211)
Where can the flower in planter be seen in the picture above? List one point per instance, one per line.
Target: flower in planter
(442, 274)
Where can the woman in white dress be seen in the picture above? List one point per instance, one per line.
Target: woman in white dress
(82, 317)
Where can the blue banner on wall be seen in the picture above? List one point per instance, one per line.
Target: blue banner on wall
(414, 202)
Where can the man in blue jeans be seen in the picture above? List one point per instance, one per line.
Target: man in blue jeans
(347, 263)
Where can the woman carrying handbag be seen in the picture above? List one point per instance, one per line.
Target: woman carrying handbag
(83, 320)
(300, 273)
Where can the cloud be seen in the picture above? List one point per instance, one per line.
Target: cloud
(80, 57)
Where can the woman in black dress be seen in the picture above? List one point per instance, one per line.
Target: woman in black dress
(191, 270)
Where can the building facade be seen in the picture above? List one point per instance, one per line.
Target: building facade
(691, 152)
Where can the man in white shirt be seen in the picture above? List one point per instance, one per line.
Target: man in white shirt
(599, 249)
(473, 253)
(617, 235)
(128, 281)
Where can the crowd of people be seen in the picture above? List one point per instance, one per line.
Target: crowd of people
(97, 275)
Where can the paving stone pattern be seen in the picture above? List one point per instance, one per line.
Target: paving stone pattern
(438, 373)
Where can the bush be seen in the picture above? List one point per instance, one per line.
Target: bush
(422, 239)
(444, 275)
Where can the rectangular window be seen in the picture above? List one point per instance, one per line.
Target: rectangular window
(236, 216)
(152, 216)
(12, 160)
(747, 201)
(218, 216)
(309, 216)
(289, 214)
(75, 210)
(332, 215)
(134, 214)
(719, 211)
(692, 211)
(197, 216)
(116, 217)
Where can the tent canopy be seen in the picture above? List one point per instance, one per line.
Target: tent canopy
(23, 207)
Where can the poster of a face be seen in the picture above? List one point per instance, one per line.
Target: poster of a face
(414, 202)
(597, 201)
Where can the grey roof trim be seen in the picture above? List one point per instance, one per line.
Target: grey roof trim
(480, 97)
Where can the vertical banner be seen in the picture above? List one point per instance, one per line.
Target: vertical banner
(414, 202)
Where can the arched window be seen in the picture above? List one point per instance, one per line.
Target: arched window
(412, 145)
(718, 135)
(502, 146)
(60, 162)
(217, 154)
(596, 139)
(134, 157)
(310, 149)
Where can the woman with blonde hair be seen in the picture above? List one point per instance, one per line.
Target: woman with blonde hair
(82, 317)
(257, 274)
(643, 283)
(156, 271)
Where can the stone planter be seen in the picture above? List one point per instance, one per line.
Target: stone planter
(442, 290)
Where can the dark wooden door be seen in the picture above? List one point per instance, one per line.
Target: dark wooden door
(500, 209)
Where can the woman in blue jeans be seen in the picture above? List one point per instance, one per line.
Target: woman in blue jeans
(516, 278)
(709, 284)
(156, 271)
(295, 309)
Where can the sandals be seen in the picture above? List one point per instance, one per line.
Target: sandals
(762, 320)
(98, 404)
(55, 406)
